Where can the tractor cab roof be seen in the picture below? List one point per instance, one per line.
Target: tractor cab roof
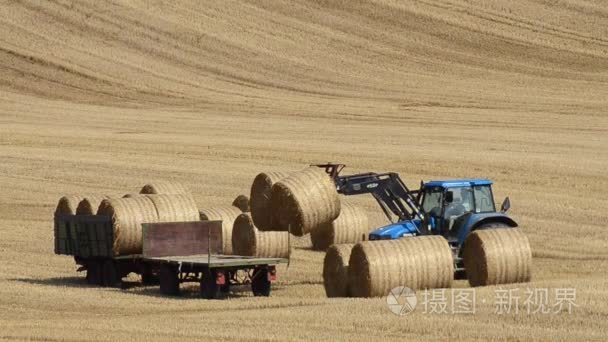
(455, 183)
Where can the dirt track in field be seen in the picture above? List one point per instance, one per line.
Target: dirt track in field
(104, 96)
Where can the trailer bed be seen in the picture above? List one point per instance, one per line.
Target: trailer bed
(216, 261)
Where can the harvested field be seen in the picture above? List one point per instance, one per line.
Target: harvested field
(98, 97)
(304, 201)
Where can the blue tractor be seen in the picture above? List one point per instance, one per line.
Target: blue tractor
(450, 208)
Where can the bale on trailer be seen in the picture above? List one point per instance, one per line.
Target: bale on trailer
(497, 256)
(65, 237)
(351, 226)
(422, 262)
(175, 208)
(335, 270)
(164, 188)
(127, 215)
(227, 215)
(67, 205)
(259, 198)
(89, 205)
(247, 240)
(304, 201)
(241, 202)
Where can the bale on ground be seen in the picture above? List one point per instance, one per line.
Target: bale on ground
(335, 270)
(497, 256)
(129, 195)
(127, 216)
(422, 262)
(227, 215)
(67, 205)
(351, 226)
(249, 241)
(305, 201)
(242, 202)
(175, 208)
(164, 188)
(259, 198)
(89, 205)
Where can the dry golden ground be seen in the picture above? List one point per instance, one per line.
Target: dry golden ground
(104, 96)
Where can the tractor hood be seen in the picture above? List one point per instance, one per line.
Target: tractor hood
(395, 230)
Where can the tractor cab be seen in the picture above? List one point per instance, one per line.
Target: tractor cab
(447, 204)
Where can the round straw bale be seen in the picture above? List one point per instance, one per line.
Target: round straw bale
(335, 270)
(259, 198)
(304, 201)
(422, 262)
(227, 215)
(497, 256)
(350, 227)
(164, 188)
(241, 202)
(249, 241)
(89, 205)
(67, 205)
(175, 208)
(127, 216)
(129, 195)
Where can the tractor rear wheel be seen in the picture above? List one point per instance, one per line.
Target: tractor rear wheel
(492, 225)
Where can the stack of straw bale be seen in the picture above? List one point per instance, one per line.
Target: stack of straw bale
(227, 215)
(248, 240)
(335, 270)
(497, 256)
(376, 267)
(304, 201)
(259, 199)
(351, 226)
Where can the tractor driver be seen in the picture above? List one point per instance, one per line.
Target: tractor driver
(460, 204)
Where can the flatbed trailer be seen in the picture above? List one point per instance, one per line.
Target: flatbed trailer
(172, 253)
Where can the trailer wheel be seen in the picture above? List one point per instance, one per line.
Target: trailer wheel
(226, 287)
(209, 288)
(149, 278)
(111, 276)
(169, 280)
(94, 273)
(260, 284)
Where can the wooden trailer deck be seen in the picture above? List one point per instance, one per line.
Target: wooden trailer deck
(216, 261)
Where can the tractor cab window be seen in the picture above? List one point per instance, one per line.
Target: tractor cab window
(484, 202)
(462, 202)
(432, 200)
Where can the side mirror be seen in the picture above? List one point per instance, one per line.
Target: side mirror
(449, 197)
(506, 204)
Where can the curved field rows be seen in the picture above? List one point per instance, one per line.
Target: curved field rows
(102, 96)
